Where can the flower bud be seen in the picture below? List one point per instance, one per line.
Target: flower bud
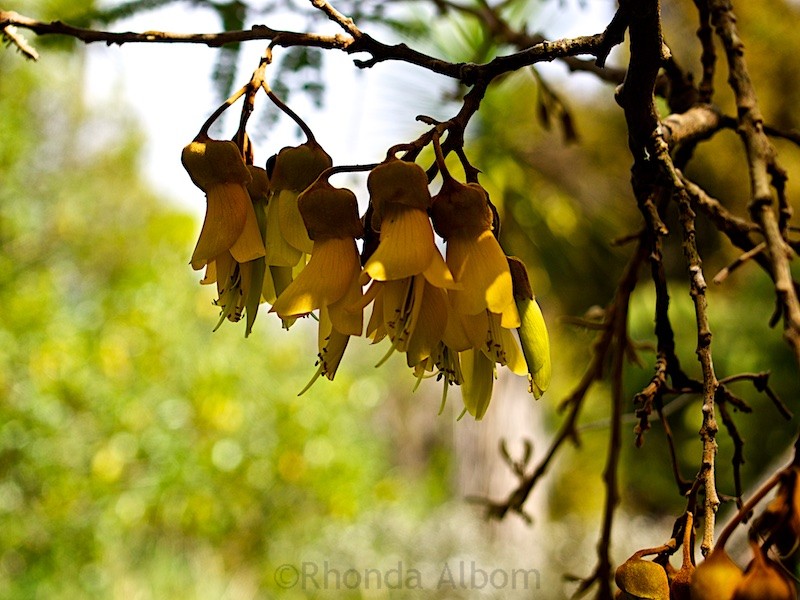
(461, 209)
(397, 182)
(297, 167)
(330, 212)
(213, 162)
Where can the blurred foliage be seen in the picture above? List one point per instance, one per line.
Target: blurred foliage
(563, 205)
(140, 454)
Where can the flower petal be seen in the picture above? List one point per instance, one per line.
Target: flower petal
(481, 266)
(347, 313)
(279, 252)
(249, 245)
(535, 345)
(293, 228)
(439, 274)
(226, 214)
(430, 325)
(406, 245)
(324, 280)
(476, 389)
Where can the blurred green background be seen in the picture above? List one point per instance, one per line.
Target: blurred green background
(143, 456)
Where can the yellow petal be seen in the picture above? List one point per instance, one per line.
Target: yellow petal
(211, 273)
(398, 305)
(225, 266)
(293, 229)
(476, 389)
(439, 274)
(535, 345)
(375, 328)
(249, 245)
(329, 357)
(480, 265)
(254, 280)
(406, 245)
(347, 314)
(226, 214)
(268, 286)
(279, 252)
(514, 359)
(430, 325)
(454, 336)
(324, 280)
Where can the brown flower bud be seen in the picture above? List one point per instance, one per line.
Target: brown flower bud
(297, 167)
(213, 162)
(461, 209)
(397, 182)
(330, 212)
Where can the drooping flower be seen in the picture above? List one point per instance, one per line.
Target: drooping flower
(294, 170)
(329, 282)
(217, 168)
(532, 330)
(485, 304)
(240, 284)
(407, 270)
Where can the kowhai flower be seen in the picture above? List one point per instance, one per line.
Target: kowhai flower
(239, 284)
(485, 303)
(295, 169)
(217, 168)
(330, 281)
(407, 270)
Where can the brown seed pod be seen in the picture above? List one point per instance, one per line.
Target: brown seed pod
(764, 580)
(716, 577)
(639, 578)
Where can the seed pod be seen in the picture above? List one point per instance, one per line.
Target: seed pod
(639, 578)
(763, 580)
(716, 577)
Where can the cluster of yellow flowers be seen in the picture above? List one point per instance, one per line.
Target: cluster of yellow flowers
(288, 237)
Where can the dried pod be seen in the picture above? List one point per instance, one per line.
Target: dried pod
(639, 578)
(764, 580)
(681, 582)
(716, 577)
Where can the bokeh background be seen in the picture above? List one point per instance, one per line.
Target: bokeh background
(143, 456)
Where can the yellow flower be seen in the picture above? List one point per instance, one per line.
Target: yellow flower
(330, 281)
(532, 330)
(408, 272)
(485, 304)
(217, 168)
(295, 169)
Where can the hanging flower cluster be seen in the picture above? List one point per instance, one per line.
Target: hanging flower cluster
(285, 236)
